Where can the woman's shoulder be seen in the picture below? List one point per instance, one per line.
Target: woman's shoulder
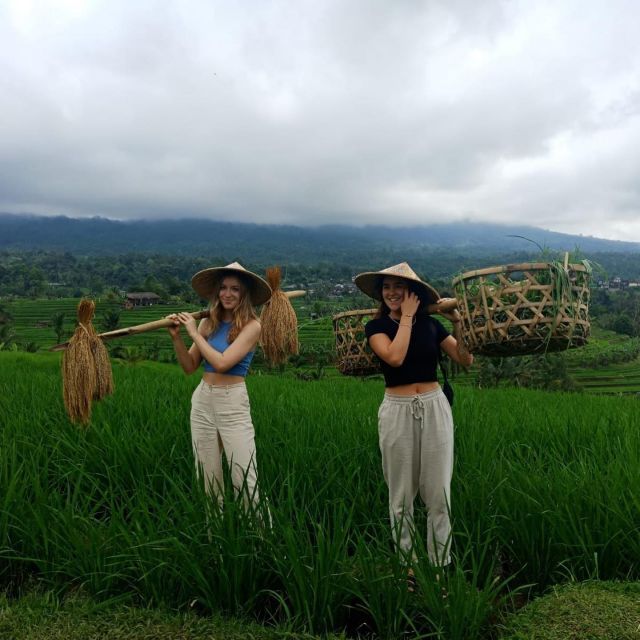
(427, 318)
(205, 326)
(375, 321)
(376, 325)
(252, 326)
(429, 322)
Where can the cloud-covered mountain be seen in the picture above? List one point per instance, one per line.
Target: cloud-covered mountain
(282, 242)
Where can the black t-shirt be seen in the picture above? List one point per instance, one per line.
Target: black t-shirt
(421, 362)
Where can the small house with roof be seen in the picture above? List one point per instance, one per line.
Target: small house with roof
(141, 299)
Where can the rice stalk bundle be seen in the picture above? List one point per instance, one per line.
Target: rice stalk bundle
(86, 370)
(104, 386)
(279, 337)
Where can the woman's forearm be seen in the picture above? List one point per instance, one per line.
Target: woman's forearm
(465, 358)
(213, 357)
(400, 344)
(184, 357)
(393, 352)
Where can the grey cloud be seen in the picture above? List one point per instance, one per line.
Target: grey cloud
(315, 112)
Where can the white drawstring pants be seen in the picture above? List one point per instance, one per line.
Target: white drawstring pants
(416, 442)
(221, 421)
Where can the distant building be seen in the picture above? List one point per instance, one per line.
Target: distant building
(342, 289)
(141, 299)
(617, 283)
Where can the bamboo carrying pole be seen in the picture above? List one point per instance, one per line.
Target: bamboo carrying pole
(86, 370)
(156, 324)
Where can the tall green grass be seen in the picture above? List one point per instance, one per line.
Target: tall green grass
(546, 486)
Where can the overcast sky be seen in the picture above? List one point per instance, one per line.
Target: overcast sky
(316, 112)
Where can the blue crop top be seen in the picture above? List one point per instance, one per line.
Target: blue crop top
(220, 341)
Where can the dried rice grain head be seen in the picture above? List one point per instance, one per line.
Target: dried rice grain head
(79, 381)
(86, 370)
(279, 338)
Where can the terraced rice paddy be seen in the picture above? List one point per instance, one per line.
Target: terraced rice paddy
(619, 378)
(33, 322)
(589, 365)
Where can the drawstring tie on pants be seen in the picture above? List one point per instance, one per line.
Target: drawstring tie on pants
(417, 409)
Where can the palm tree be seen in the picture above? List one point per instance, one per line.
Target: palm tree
(57, 324)
(111, 320)
(7, 336)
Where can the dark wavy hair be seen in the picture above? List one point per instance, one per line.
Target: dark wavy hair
(383, 309)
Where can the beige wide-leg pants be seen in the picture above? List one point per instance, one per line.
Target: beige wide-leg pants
(221, 421)
(416, 442)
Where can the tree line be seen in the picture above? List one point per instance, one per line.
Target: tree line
(42, 274)
(51, 274)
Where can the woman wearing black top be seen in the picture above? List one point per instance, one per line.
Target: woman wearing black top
(415, 425)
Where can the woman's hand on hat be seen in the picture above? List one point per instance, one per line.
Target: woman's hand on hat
(409, 306)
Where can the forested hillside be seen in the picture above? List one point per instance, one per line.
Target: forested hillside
(64, 274)
(209, 238)
(60, 256)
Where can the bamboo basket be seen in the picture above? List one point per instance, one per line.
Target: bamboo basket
(524, 309)
(355, 358)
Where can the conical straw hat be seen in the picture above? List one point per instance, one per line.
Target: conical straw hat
(205, 282)
(370, 282)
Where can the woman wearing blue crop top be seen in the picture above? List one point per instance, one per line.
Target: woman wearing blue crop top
(226, 341)
(415, 424)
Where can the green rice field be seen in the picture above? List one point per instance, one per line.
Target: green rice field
(546, 490)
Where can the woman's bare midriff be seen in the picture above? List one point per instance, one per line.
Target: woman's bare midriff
(221, 379)
(412, 389)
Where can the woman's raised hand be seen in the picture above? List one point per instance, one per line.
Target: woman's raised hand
(446, 307)
(446, 304)
(189, 323)
(410, 304)
(453, 315)
(179, 320)
(174, 330)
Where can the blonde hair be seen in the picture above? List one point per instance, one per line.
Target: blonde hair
(242, 314)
